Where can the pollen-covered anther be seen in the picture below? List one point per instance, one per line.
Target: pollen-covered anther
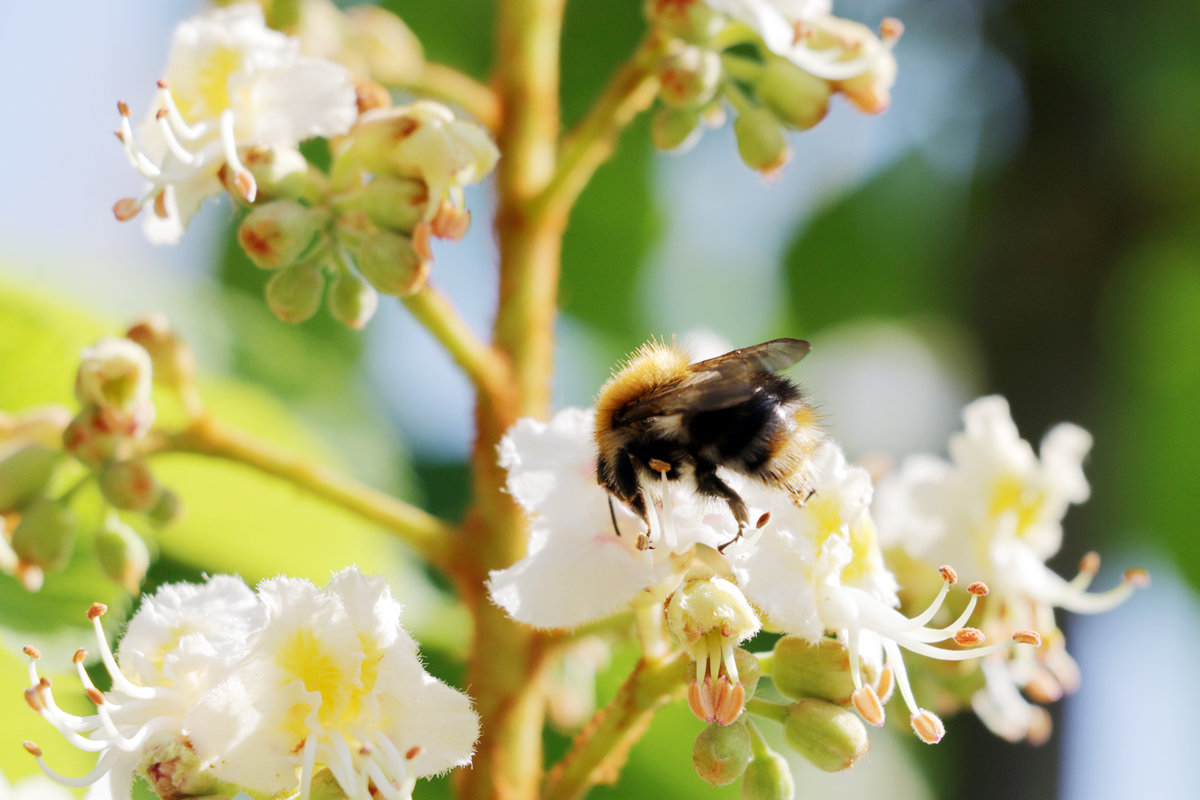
(162, 82)
(79, 656)
(867, 704)
(450, 222)
(1137, 577)
(422, 239)
(126, 208)
(160, 206)
(161, 113)
(928, 726)
(659, 465)
(763, 520)
(890, 30)
(979, 589)
(95, 696)
(1090, 563)
(97, 610)
(948, 574)
(32, 748)
(700, 701)
(244, 182)
(969, 637)
(414, 751)
(1028, 637)
(32, 652)
(33, 698)
(123, 108)
(885, 684)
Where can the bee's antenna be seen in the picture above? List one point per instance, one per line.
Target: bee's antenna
(613, 515)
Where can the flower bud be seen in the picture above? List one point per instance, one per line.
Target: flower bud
(721, 753)
(708, 608)
(392, 52)
(167, 508)
(174, 363)
(675, 128)
(797, 97)
(821, 670)
(129, 485)
(91, 438)
(390, 262)
(760, 140)
(294, 293)
(41, 425)
(25, 469)
(397, 204)
(351, 301)
(689, 77)
(691, 20)
(275, 234)
(172, 768)
(115, 375)
(749, 670)
(829, 736)
(45, 536)
(122, 554)
(768, 778)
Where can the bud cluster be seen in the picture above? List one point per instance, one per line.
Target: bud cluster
(778, 64)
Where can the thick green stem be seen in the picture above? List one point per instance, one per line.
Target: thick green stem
(425, 533)
(600, 750)
(483, 364)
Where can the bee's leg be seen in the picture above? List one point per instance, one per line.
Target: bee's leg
(708, 483)
(612, 514)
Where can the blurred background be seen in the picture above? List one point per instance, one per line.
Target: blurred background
(1024, 220)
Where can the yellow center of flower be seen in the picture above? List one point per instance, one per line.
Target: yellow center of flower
(204, 92)
(1011, 495)
(302, 657)
(827, 515)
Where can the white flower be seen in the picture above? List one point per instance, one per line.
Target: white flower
(116, 377)
(996, 508)
(231, 84)
(33, 788)
(806, 33)
(818, 570)
(579, 568)
(337, 682)
(181, 649)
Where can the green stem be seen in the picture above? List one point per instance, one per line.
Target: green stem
(630, 91)
(767, 710)
(601, 748)
(766, 662)
(484, 366)
(425, 533)
(457, 88)
(758, 745)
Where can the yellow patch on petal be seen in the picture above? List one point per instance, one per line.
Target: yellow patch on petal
(1011, 495)
(205, 94)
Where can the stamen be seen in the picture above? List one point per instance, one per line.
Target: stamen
(1089, 565)
(307, 765)
(729, 662)
(949, 577)
(890, 30)
(178, 124)
(110, 663)
(103, 765)
(33, 699)
(381, 782)
(242, 179)
(32, 748)
(928, 726)
(668, 521)
(1028, 637)
(144, 166)
(952, 630)
(32, 652)
(173, 144)
(868, 705)
(883, 689)
(948, 574)
(969, 637)
(413, 752)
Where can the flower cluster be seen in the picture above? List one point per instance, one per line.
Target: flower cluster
(217, 688)
(815, 572)
(802, 57)
(996, 507)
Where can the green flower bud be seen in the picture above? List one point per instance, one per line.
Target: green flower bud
(748, 669)
(41, 425)
(691, 20)
(390, 262)
(829, 736)
(397, 204)
(689, 77)
(675, 128)
(721, 753)
(122, 554)
(24, 472)
(275, 234)
(804, 669)
(392, 52)
(91, 439)
(799, 98)
(129, 485)
(167, 508)
(45, 535)
(351, 301)
(768, 778)
(760, 140)
(294, 293)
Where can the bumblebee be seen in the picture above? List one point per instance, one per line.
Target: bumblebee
(662, 415)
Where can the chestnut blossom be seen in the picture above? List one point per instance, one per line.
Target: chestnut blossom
(232, 85)
(115, 378)
(216, 689)
(996, 508)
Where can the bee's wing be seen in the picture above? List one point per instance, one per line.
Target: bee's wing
(719, 382)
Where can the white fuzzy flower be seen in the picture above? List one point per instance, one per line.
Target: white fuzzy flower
(115, 377)
(33, 788)
(579, 568)
(231, 84)
(996, 508)
(156, 721)
(818, 570)
(338, 682)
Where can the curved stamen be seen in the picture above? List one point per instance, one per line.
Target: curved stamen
(383, 785)
(140, 161)
(308, 762)
(896, 662)
(668, 512)
(103, 765)
(948, 632)
(1099, 602)
(727, 658)
(921, 619)
(242, 178)
(396, 764)
(173, 144)
(119, 680)
(175, 118)
(1089, 565)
